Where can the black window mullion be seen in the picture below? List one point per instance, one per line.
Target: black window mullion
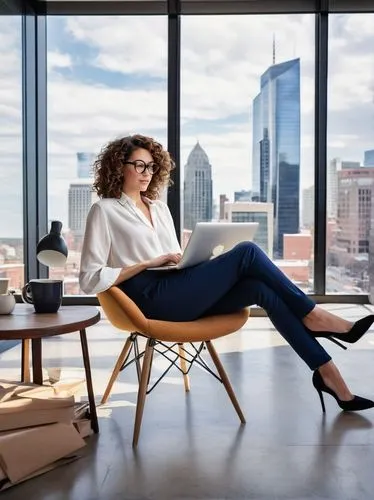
(34, 140)
(320, 156)
(174, 37)
(41, 138)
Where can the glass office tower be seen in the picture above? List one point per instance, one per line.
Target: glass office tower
(276, 146)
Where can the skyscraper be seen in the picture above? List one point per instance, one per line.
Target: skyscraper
(262, 213)
(197, 188)
(84, 164)
(80, 201)
(369, 158)
(276, 146)
(332, 187)
(308, 207)
(243, 195)
(335, 166)
(350, 165)
(355, 195)
(222, 200)
(256, 141)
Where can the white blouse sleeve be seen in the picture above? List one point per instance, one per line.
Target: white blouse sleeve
(95, 276)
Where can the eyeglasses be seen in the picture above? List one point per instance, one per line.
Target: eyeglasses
(140, 166)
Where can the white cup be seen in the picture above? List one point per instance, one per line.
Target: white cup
(7, 303)
(4, 286)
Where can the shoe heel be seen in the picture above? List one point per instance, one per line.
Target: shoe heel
(320, 394)
(331, 339)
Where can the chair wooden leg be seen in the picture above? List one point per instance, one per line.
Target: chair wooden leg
(142, 392)
(137, 358)
(117, 369)
(225, 380)
(25, 368)
(183, 362)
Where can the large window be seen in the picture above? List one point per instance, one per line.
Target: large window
(107, 77)
(350, 158)
(11, 220)
(247, 128)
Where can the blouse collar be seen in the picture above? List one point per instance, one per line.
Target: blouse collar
(124, 198)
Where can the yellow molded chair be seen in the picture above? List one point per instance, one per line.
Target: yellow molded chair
(124, 314)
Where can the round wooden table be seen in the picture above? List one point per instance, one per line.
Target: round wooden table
(24, 324)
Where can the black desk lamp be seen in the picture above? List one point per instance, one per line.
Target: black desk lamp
(52, 250)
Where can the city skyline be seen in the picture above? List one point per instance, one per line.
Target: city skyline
(96, 89)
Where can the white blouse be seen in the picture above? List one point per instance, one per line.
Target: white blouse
(119, 235)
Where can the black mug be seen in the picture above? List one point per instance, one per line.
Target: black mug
(44, 294)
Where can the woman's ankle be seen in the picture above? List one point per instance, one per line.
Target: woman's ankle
(320, 320)
(333, 379)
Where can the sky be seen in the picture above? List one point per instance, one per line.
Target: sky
(107, 77)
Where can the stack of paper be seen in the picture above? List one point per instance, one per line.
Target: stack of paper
(41, 427)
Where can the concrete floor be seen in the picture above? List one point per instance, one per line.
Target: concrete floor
(192, 446)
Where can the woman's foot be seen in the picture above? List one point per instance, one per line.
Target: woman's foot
(333, 379)
(320, 320)
(356, 403)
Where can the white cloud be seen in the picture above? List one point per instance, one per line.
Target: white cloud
(84, 117)
(57, 59)
(350, 81)
(76, 108)
(358, 27)
(124, 44)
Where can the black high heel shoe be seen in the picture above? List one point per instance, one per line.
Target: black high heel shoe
(355, 404)
(355, 333)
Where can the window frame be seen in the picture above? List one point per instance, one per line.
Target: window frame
(34, 51)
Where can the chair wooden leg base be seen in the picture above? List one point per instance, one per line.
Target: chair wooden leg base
(225, 380)
(145, 377)
(186, 378)
(142, 392)
(117, 369)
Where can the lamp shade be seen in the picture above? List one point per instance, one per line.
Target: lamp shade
(52, 250)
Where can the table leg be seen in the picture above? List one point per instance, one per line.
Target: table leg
(25, 363)
(87, 367)
(37, 371)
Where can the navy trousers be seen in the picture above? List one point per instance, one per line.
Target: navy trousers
(238, 278)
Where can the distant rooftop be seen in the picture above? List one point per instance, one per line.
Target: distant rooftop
(298, 234)
(291, 263)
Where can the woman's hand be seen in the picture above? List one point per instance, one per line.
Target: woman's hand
(131, 271)
(162, 260)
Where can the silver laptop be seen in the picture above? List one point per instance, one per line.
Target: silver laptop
(210, 239)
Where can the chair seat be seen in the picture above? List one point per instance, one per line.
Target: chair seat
(114, 303)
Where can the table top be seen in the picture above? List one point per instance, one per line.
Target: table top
(25, 323)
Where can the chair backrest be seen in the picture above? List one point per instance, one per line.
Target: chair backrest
(121, 311)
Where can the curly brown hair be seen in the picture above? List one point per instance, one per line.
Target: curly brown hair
(108, 167)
